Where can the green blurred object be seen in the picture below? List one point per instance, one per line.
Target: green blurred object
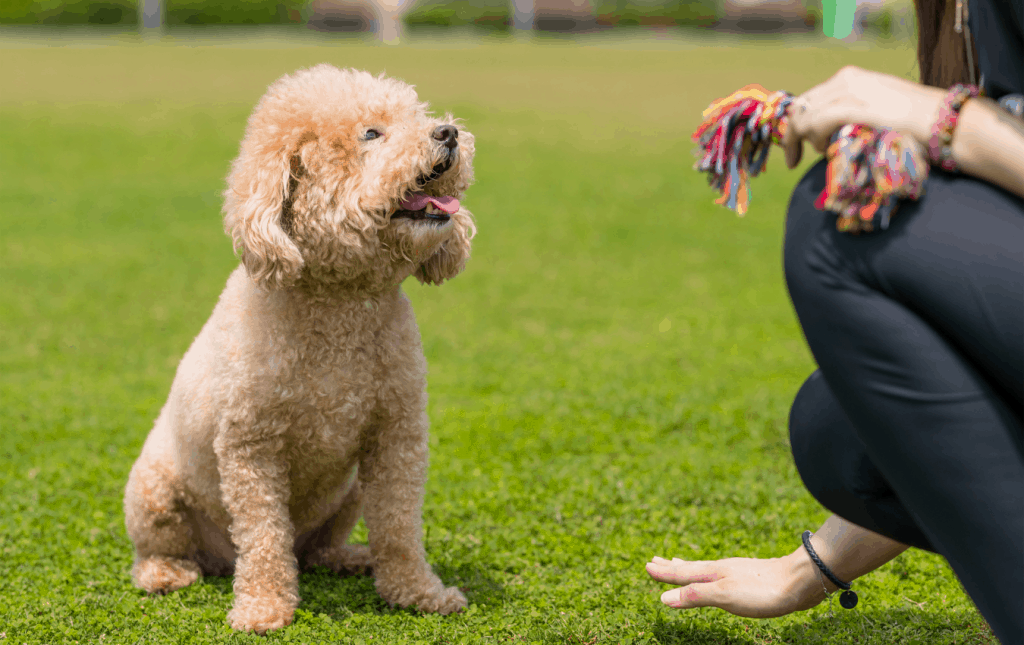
(893, 20)
(838, 17)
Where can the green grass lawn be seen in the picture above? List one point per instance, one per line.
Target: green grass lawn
(609, 379)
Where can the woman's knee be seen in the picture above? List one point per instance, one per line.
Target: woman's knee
(809, 429)
(837, 471)
(826, 452)
(829, 455)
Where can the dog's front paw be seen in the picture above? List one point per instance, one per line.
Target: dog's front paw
(448, 601)
(260, 614)
(429, 595)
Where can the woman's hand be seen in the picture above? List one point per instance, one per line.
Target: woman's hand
(743, 586)
(779, 586)
(855, 95)
(987, 143)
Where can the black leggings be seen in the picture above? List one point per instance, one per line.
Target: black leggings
(913, 426)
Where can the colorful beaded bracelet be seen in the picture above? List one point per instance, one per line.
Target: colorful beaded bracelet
(940, 146)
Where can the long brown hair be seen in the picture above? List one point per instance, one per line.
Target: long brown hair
(941, 52)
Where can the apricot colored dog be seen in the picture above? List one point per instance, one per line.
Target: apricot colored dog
(301, 405)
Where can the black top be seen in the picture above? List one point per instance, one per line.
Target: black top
(997, 27)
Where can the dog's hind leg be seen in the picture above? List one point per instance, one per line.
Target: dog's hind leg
(331, 549)
(159, 526)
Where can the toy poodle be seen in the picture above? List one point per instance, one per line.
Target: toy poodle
(301, 405)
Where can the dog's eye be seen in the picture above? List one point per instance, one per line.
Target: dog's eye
(372, 134)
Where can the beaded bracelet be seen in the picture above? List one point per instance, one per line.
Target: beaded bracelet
(940, 146)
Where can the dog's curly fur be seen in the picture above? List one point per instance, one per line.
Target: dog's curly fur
(301, 405)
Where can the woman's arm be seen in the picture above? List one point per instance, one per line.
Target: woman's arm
(987, 143)
(778, 586)
(851, 551)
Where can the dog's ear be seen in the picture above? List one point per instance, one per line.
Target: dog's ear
(448, 261)
(257, 213)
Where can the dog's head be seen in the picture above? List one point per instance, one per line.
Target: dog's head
(344, 178)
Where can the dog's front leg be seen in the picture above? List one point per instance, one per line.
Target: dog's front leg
(255, 490)
(393, 474)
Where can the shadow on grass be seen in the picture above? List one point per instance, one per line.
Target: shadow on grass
(909, 625)
(339, 596)
(697, 634)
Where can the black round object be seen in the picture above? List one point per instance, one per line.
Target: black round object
(848, 599)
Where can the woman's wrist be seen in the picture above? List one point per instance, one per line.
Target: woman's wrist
(988, 143)
(805, 584)
(927, 109)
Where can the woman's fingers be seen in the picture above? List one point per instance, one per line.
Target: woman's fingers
(794, 148)
(815, 125)
(695, 595)
(682, 572)
(816, 114)
(793, 141)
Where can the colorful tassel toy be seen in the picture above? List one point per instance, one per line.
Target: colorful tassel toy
(869, 171)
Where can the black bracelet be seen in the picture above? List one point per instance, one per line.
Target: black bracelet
(847, 599)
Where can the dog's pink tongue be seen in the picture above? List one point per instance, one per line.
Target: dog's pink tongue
(419, 201)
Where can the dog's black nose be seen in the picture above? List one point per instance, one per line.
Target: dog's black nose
(448, 135)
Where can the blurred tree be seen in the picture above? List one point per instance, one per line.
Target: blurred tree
(647, 13)
(68, 12)
(483, 14)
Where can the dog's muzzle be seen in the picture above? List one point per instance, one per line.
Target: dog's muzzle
(448, 137)
(419, 206)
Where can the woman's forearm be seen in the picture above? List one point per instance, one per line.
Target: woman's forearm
(849, 550)
(988, 144)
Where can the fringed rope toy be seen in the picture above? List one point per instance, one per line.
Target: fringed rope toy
(869, 170)
(735, 138)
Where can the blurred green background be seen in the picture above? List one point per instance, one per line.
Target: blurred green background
(609, 379)
(879, 18)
